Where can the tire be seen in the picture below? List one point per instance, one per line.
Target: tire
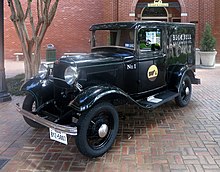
(29, 105)
(185, 92)
(94, 138)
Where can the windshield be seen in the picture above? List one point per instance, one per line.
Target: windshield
(123, 38)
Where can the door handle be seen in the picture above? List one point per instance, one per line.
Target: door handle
(164, 55)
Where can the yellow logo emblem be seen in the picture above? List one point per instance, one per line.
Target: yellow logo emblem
(152, 73)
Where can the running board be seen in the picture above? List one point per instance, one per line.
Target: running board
(158, 99)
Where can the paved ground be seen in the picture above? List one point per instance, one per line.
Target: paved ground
(167, 139)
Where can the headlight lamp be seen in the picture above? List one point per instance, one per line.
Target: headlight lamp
(43, 69)
(70, 75)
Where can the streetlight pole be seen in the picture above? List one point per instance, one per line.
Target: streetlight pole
(4, 95)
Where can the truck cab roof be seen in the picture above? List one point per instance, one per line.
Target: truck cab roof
(134, 24)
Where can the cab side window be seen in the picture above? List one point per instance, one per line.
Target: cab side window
(149, 39)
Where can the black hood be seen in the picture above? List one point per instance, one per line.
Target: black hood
(95, 58)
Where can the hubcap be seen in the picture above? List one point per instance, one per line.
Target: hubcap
(103, 130)
(187, 91)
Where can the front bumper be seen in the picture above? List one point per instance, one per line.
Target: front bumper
(62, 128)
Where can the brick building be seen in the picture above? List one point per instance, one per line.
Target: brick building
(69, 30)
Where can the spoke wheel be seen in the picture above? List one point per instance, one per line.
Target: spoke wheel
(30, 105)
(185, 92)
(97, 130)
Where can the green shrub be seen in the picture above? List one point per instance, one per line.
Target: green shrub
(14, 84)
(208, 41)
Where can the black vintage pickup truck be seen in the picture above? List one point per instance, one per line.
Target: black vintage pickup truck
(145, 63)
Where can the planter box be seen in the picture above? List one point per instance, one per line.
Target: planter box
(208, 58)
(198, 60)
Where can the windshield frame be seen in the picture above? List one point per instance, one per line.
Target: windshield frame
(93, 39)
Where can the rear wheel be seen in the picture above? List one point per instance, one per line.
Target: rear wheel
(30, 105)
(185, 92)
(97, 130)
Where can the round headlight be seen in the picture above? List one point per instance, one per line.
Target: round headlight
(70, 75)
(43, 70)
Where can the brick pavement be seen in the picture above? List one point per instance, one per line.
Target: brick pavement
(168, 138)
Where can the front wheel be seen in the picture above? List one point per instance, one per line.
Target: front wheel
(97, 130)
(185, 92)
(30, 105)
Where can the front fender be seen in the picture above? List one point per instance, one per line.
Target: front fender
(32, 85)
(42, 90)
(91, 95)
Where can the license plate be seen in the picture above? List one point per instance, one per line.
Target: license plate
(58, 136)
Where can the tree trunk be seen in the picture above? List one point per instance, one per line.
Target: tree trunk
(27, 61)
(31, 60)
(36, 59)
(27, 67)
(43, 18)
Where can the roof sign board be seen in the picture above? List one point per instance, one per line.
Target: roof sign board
(158, 3)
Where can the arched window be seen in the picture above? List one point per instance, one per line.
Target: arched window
(159, 13)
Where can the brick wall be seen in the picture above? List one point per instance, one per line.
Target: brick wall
(108, 9)
(69, 30)
(216, 28)
(124, 10)
(192, 9)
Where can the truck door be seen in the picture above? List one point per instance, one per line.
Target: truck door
(130, 75)
(152, 59)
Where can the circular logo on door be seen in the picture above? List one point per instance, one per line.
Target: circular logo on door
(152, 73)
